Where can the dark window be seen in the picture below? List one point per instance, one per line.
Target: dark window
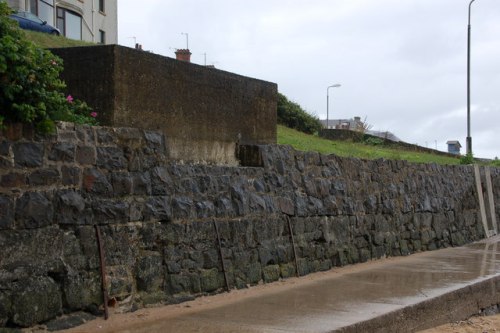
(69, 23)
(43, 9)
(102, 37)
(60, 21)
(101, 6)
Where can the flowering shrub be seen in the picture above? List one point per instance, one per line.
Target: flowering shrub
(30, 88)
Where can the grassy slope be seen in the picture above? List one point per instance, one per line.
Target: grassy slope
(305, 142)
(51, 41)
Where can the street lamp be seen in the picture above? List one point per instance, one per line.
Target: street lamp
(337, 85)
(469, 139)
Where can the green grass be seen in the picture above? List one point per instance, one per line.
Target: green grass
(305, 142)
(50, 41)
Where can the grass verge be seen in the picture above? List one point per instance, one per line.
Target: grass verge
(51, 41)
(305, 142)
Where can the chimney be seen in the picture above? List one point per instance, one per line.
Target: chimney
(183, 55)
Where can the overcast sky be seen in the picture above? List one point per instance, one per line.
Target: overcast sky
(401, 63)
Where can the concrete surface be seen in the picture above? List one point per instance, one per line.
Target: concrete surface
(418, 292)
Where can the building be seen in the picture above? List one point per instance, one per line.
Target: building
(89, 20)
(353, 124)
(357, 125)
(454, 147)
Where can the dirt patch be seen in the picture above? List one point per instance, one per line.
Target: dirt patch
(483, 324)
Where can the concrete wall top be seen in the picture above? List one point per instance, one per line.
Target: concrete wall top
(204, 112)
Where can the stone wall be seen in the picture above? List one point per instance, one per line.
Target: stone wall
(158, 218)
(204, 112)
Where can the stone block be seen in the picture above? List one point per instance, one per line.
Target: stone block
(13, 179)
(271, 273)
(205, 209)
(141, 183)
(34, 210)
(5, 148)
(71, 208)
(224, 207)
(28, 154)
(122, 183)
(62, 152)
(287, 270)
(158, 209)
(253, 272)
(285, 205)
(38, 299)
(111, 158)
(267, 256)
(82, 290)
(45, 177)
(95, 182)
(161, 182)
(211, 280)
(110, 211)
(71, 176)
(149, 272)
(183, 208)
(86, 155)
(6, 212)
(5, 308)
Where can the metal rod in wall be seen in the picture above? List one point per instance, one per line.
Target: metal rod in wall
(220, 254)
(293, 246)
(103, 271)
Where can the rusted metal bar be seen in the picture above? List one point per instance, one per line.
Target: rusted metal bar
(220, 253)
(103, 271)
(293, 246)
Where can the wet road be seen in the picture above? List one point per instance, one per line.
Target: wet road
(340, 301)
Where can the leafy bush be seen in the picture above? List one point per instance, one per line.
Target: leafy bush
(30, 87)
(293, 116)
(467, 159)
(373, 140)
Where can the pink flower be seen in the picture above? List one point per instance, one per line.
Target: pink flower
(69, 99)
(53, 62)
(93, 114)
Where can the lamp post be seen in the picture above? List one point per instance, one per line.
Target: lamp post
(337, 85)
(469, 139)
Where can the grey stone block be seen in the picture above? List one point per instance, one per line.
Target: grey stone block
(95, 182)
(111, 158)
(38, 299)
(44, 177)
(6, 212)
(28, 154)
(86, 155)
(34, 210)
(158, 209)
(62, 152)
(71, 208)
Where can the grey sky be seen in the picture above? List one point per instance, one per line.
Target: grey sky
(401, 63)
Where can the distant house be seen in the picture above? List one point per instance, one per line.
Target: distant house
(356, 124)
(454, 147)
(353, 124)
(91, 20)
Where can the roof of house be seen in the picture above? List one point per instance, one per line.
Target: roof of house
(453, 142)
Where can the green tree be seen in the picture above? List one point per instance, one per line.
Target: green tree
(30, 88)
(293, 116)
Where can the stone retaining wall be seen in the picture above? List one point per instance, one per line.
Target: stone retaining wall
(158, 218)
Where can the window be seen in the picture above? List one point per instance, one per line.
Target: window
(102, 37)
(69, 23)
(101, 6)
(44, 9)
